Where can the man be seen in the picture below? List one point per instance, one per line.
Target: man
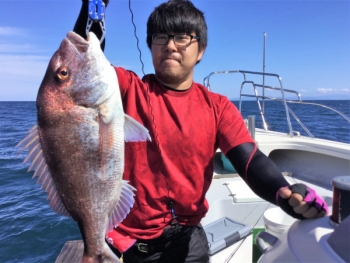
(187, 124)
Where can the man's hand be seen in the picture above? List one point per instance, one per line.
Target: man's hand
(303, 200)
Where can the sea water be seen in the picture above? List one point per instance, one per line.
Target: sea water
(31, 232)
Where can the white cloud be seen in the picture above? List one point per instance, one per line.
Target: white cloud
(23, 62)
(323, 90)
(21, 75)
(19, 40)
(23, 66)
(12, 31)
(24, 55)
(17, 48)
(333, 91)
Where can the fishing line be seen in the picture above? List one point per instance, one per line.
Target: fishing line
(148, 91)
(137, 39)
(149, 103)
(250, 233)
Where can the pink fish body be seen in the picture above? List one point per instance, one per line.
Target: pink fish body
(77, 146)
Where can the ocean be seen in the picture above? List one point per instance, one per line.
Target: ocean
(32, 232)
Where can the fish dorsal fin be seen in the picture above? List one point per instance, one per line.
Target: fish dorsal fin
(134, 131)
(126, 201)
(38, 164)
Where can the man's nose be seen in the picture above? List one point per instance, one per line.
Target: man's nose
(171, 46)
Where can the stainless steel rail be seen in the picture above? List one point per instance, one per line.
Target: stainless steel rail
(258, 97)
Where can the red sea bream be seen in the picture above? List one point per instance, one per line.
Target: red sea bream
(77, 146)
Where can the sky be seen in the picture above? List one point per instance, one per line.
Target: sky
(307, 43)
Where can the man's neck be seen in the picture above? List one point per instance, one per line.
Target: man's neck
(177, 87)
(176, 90)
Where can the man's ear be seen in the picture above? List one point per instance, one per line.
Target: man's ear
(200, 55)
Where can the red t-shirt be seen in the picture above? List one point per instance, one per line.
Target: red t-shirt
(186, 128)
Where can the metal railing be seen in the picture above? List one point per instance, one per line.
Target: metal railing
(282, 99)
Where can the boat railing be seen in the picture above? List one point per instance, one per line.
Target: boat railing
(262, 97)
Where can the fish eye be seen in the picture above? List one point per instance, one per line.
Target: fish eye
(62, 73)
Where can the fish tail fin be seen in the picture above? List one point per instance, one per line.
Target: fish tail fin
(107, 256)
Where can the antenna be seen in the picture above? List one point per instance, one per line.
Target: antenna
(263, 93)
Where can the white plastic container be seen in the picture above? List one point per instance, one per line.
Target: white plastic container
(277, 221)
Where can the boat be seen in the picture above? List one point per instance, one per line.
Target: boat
(237, 223)
(234, 207)
(301, 159)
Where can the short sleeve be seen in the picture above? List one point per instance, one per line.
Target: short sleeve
(125, 78)
(231, 128)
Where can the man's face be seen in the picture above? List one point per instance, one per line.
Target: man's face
(174, 65)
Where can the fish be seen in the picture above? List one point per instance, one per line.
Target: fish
(76, 148)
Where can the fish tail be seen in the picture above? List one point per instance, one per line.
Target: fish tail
(107, 256)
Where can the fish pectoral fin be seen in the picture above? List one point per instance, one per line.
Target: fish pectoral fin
(126, 201)
(38, 164)
(134, 131)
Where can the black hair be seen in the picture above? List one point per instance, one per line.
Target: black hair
(178, 16)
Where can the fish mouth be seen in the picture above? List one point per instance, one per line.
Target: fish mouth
(78, 42)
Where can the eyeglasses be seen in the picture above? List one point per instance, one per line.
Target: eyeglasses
(181, 40)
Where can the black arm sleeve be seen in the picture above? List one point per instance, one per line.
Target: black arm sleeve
(262, 175)
(80, 24)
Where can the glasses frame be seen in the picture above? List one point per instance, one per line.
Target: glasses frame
(173, 37)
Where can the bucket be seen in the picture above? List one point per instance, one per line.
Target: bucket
(277, 221)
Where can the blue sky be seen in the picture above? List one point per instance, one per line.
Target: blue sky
(307, 44)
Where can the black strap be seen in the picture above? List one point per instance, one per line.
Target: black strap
(169, 234)
(149, 248)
